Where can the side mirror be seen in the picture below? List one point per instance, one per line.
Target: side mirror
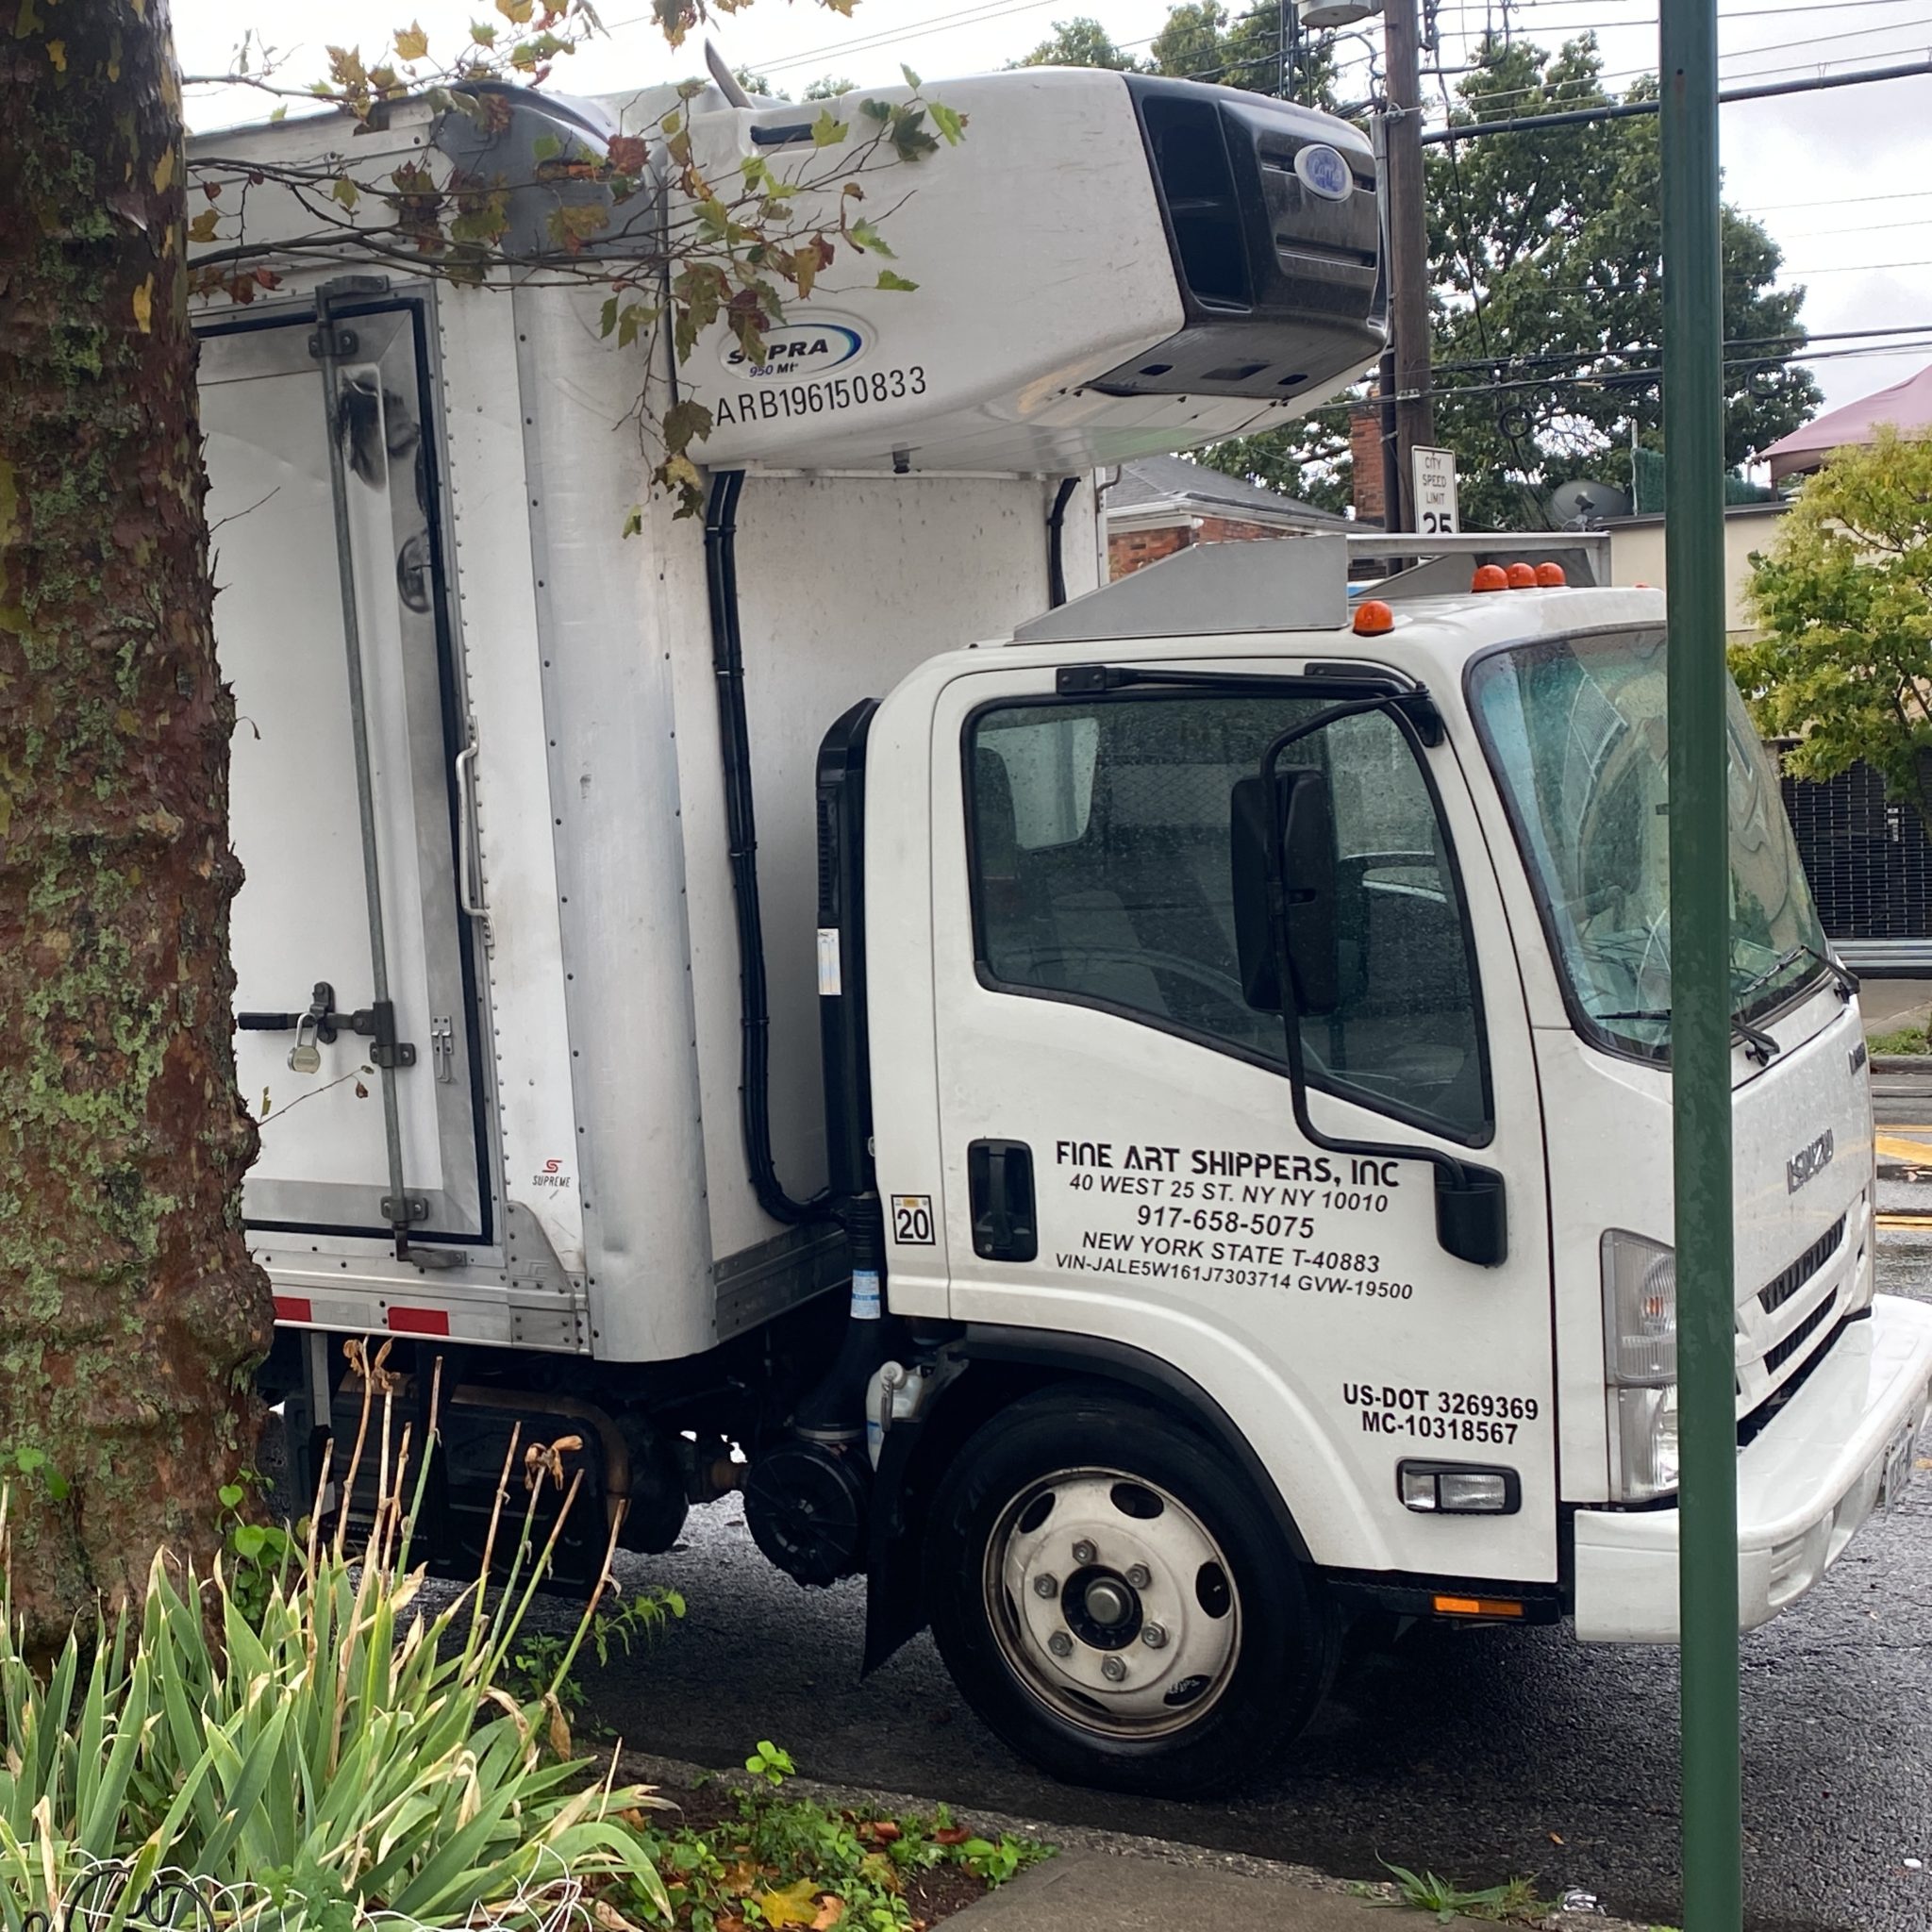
(1301, 814)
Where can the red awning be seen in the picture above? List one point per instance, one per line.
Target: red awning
(1907, 405)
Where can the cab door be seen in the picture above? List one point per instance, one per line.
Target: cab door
(1121, 1158)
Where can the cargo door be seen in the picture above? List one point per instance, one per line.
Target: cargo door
(356, 1043)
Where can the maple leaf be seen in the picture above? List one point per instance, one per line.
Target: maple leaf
(795, 1905)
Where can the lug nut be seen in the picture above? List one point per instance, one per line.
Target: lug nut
(1140, 1576)
(1046, 1586)
(1060, 1643)
(1113, 1670)
(1153, 1636)
(1083, 1551)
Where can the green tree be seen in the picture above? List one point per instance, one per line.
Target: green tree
(828, 86)
(130, 1311)
(1843, 666)
(1081, 42)
(1545, 248)
(1204, 41)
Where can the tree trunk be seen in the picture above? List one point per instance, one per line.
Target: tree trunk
(130, 1314)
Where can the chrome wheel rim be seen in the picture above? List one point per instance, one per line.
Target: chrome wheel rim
(1112, 1602)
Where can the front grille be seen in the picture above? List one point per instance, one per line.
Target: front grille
(1776, 1358)
(1783, 1286)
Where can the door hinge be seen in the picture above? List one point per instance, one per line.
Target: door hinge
(331, 343)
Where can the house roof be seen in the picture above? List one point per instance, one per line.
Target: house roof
(1906, 407)
(1150, 485)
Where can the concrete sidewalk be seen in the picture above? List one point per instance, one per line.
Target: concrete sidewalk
(1886, 1005)
(1101, 1892)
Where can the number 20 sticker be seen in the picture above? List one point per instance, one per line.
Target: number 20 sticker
(913, 1220)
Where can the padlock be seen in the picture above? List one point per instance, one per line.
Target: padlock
(305, 1056)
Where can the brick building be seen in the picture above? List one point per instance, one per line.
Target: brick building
(1163, 504)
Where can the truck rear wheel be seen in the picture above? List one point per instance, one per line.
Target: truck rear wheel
(1113, 1599)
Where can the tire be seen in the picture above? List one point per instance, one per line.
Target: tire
(1044, 1615)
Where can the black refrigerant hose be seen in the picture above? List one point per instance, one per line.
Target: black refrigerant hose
(1056, 542)
(741, 823)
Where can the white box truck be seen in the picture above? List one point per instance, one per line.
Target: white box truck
(1146, 1137)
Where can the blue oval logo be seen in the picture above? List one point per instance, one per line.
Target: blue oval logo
(793, 352)
(1325, 171)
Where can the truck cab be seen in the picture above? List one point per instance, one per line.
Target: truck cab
(1110, 1162)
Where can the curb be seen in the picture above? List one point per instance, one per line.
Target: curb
(1902, 1063)
(648, 1768)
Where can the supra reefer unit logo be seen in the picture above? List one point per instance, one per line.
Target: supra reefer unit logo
(795, 351)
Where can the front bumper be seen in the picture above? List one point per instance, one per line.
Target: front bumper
(1806, 1483)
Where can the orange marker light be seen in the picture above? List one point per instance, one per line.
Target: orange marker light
(1476, 1607)
(1523, 576)
(1490, 576)
(1550, 575)
(1372, 618)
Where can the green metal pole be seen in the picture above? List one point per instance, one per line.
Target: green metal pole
(1700, 970)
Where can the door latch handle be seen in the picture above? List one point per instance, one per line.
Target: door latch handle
(319, 1026)
(999, 1180)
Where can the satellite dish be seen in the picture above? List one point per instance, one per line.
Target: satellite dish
(1587, 504)
(1321, 14)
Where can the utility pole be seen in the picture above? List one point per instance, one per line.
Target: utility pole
(1700, 969)
(1408, 250)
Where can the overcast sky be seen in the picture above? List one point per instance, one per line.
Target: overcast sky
(1844, 179)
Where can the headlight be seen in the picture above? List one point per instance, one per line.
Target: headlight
(1640, 1365)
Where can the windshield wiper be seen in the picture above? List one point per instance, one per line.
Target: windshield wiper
(1758, 1045)
(1788, 957)
(1842, 978)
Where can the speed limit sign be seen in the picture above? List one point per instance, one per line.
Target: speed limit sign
(1436, 513)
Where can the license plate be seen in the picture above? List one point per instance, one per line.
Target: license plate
(1898, 1469)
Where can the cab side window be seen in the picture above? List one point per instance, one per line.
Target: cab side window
(1102, 875)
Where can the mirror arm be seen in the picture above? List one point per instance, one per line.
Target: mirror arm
(1456, 1180)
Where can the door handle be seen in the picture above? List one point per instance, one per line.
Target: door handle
(466, 832)
(999, 1177)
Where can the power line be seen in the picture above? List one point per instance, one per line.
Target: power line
(1622, 110)
(1768, 208)
(1855, 268)
(1865, 228)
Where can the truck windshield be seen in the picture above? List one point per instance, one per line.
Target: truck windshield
(1574, 729)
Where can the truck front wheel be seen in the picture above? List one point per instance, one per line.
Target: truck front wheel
(1113, 1599)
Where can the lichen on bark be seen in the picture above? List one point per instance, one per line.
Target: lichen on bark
(130, 1314)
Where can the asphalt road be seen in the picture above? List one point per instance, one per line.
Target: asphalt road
(1477, 1752)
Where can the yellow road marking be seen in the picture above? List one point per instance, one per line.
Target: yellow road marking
(1899, 1149)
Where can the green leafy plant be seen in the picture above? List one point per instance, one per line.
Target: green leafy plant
(536, 1661)
(1843, 602)
(1906, 1040)
(770, 1763)
(780, 1860)
(341, 1750)
(1514, 1900)
(32, 1465)
(258, 1554)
